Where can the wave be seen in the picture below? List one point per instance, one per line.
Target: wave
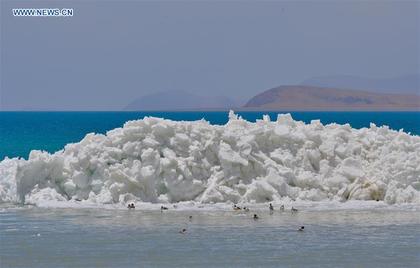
(162, 161)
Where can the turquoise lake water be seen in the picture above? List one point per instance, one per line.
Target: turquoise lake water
(99, 237)
(21, 132)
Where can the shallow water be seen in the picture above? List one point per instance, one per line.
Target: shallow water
(40, 237)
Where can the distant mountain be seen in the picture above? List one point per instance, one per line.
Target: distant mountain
(322, 98)
(179, 100)
(408, 84)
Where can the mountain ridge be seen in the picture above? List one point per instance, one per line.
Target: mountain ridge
(405, 84)
(179, 100)
(299, 97)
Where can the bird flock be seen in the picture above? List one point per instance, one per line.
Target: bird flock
(293, 210)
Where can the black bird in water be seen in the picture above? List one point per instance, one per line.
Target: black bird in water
(235, 207)
(256, 217)
(183, 231)
(271, 207)
(301, 229)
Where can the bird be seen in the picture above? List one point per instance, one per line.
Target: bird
(301, 229)
(271, 207)
(256, 217)
(282, 208)
(294, 210)
(183, 231)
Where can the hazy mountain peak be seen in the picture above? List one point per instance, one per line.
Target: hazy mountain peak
(406, 84)
(179, 100)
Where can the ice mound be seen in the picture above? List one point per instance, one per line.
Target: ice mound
(163, 161)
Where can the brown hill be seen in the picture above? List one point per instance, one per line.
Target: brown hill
(322, 98)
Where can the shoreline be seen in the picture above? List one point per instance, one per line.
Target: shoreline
(303, 206)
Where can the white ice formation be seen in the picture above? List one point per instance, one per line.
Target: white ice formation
(159, 161)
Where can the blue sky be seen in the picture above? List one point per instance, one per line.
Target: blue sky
(111, 52)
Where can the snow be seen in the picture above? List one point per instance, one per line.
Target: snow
(162, 161)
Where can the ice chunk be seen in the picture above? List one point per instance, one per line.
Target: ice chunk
(157, 160)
